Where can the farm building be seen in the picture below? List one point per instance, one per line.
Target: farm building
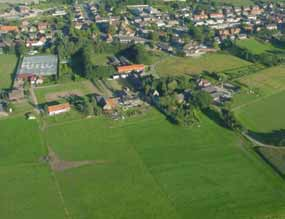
(58, 109)
(37, 66)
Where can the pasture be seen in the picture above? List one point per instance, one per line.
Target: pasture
(8, 64)
(192, 65)
(156, 170)
(255, 46)
(261, 111)
(264, 115)
(27, 187)
(235, 3)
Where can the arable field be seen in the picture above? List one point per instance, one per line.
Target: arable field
(255, 46)
(7, 68)
(191, 65)
(153, 169)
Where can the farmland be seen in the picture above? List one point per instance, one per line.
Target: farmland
(158, 170)
(151, 169)
(7, 68)
(255, 46)
(189, 65)
(262, 111)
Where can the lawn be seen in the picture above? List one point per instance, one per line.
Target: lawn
(156, 170)
(7, 68)
(101, 59)
(188, 65)
(255, 46)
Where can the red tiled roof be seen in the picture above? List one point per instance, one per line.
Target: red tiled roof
(58, 107)
(129, 68)
(8, 28)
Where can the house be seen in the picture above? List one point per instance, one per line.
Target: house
(130, 68)
(58, 109)
(6, 29)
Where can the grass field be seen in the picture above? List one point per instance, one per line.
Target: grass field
(236, 2)
(49, 93)
(156, 170)
(27, 187)
(255, 46)
(262, 111)
(264, 115)
(7, 68)
(189, 65)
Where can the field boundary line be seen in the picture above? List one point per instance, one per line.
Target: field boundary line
(160, 188)
(55, 179)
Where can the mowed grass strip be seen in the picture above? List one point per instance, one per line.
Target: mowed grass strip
(29, 192)
(191, 65)
(154, 166)
(20, 142)
(7, 68)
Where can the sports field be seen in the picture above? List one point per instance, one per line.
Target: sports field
(189, 65)
(7, 67)
(153, 169)
(255, 46)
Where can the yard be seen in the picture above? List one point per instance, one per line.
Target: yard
(188, 65)
(8, 64)
(256, 47)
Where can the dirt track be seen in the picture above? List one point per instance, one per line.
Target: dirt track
(59, 165)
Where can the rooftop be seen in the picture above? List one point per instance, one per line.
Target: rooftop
(38, 65)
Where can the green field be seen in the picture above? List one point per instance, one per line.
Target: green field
(264, 115)
(7, 68)
(151, 169)
(235, 3)
(255, 46)
(189, 65)
(157, 170)
(262, 111)
(49, 93)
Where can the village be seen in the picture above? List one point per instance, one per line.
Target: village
(144, 25)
